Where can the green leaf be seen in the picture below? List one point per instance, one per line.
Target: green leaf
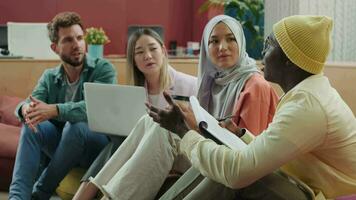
(95, 36)
(248, 12)
(210, 4)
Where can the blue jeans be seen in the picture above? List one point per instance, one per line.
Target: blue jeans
(73, 146)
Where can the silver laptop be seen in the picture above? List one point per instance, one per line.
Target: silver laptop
(114, 109)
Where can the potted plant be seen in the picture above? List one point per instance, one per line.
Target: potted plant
(250, 13)
(96, 38)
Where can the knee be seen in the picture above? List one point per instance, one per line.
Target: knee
(26, 129)
(75, 131)
(29, 138)
(27, 132)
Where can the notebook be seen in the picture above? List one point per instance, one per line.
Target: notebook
(211, 129)
(114, 109)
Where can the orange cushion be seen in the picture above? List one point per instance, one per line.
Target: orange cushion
(7, 107)
(9, 138)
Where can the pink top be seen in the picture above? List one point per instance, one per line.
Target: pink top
(256, 105)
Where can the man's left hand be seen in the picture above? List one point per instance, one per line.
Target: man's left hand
(40, 112)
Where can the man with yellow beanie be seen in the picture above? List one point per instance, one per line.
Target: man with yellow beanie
(309, 149)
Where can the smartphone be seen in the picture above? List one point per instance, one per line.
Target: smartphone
(180, 98)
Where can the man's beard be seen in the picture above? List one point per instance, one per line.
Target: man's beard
(72, 62)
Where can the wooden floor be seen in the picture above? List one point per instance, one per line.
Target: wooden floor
(3, 195)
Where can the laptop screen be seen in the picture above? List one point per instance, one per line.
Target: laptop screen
(114, 109)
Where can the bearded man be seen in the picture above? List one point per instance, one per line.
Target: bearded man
(54, 116)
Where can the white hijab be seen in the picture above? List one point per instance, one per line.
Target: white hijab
(219, 89)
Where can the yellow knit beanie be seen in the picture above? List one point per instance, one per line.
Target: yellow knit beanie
(305, 40)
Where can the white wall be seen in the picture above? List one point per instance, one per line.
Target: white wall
(343, 12)
(29, 40)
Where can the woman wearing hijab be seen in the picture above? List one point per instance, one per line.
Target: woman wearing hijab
(230, 84)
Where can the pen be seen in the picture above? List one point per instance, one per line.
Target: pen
(228, 117)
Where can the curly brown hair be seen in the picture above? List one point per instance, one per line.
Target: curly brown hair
(62, 20)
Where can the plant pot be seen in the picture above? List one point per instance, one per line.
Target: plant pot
(96, 50)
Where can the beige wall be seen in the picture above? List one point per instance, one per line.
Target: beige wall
(18, 77)
(342, 12)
